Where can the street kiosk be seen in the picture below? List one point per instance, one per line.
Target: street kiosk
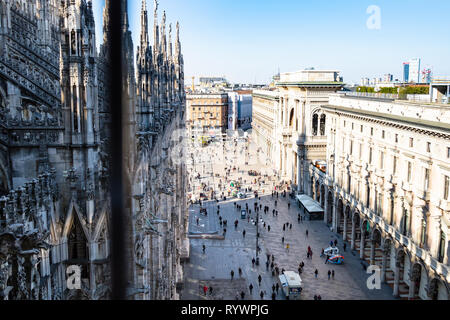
(291, 284)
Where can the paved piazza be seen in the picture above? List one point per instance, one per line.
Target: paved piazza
(233, 251)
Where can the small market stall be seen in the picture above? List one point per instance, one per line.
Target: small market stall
(310, 207)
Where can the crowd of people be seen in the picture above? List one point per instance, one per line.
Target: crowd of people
(280, 189)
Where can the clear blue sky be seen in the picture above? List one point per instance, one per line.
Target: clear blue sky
(248, 40)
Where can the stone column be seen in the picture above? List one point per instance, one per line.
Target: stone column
(396, 279)
(353, 234)
(344, 234)
(361, 249)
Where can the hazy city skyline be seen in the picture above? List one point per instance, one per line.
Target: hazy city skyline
(248, 41)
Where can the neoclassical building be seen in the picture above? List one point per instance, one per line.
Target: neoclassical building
(265, 104)
(385, 188)
(54, 153)
(290, 124)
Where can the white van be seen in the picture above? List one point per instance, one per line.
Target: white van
(291, 283)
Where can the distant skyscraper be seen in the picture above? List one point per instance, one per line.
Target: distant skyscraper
(405, 72)
(414, 70)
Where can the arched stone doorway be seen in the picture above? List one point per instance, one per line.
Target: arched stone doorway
(364, 249)
(330, 208)
(322, 196)
(347, 224)
(437, 290)
(339, 216)
(356, 231)
(317, 188)
(417, 281)
(376, 252)
(401, 289)
(387, 273)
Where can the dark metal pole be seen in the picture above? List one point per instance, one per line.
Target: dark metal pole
(116, 85)
(257, 236)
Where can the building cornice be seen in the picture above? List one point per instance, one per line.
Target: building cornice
(407, 123)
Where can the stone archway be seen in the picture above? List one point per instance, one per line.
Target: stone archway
(317, 191)
(330, 208)
(417, 281)
(365, 233)
(347, 228)
(376, 251)
(437, 290)
(322, 196)
(339, 216)
(402, 261)
(356, 231)
(387, 273)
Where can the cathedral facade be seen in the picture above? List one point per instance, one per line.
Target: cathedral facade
(54, 154)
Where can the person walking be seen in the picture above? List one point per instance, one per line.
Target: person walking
(273, 288)
(345, 246)
(332, 274)
(290, 226)
(327, 258)
(210, 290)
(287, 247)
(275, 203)
(284, 227)
(274, 296)
(267, 265)
(253, 262)
(205, 289)
(243, 233)
(319, 297)
(298, 218)
(307, 233)
(329, 274)
(316, 273)
(282, 240)
(232, 274)
(250, 287)
(289, 205)
(240, 272)
(242, 295)
(259, 279)
(268, 228)
(203, 248)
(261, 295)
(335, 242)
(198, 220)
(315, 297)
